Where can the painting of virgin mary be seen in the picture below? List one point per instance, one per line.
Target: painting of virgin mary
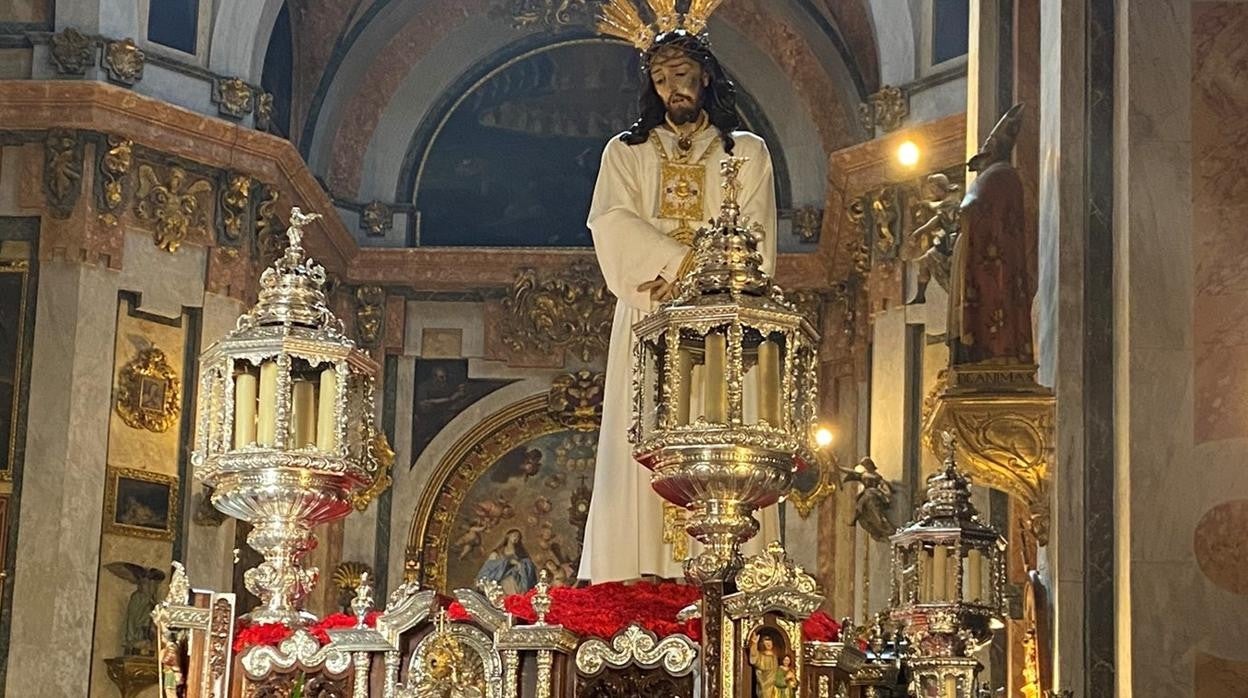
(509, 565)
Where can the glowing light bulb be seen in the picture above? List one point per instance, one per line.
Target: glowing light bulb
(823, 437)
(908, 154)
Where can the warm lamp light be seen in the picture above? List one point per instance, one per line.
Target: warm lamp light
(908, 154)
(823, 437)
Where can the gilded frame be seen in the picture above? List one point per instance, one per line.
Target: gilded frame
(113, 488)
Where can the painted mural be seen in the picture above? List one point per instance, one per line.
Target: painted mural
(511, 499)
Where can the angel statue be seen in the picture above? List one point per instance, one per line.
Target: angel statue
(138, 631)
(931, 244)
(874, 500)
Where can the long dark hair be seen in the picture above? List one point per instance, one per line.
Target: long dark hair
(719, 98)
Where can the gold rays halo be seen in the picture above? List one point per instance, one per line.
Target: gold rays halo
(621, 18)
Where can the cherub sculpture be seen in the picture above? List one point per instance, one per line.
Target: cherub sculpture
(138, 631)
(874, 500)
(931, 244)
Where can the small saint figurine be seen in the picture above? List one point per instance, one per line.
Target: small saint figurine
(993, 278)
(138, 631)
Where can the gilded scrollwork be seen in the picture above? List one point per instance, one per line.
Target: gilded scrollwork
(807, 223)
(124, 61)
(116, 163)
(384, 456)
(886, 110)
(635, 645)
(773, 568)
(62, 171)
(235, 202)
(1003, 424)
(369, 315)
(71, 52)
(233, 97)
(300, 649)
(173, 207)
(270, 232)
(568, 311)
(149, 394)
(575, 400)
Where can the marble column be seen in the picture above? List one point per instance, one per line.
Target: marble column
(58, 547)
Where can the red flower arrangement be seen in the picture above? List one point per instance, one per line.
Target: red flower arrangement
(599, 610)
(272, 634)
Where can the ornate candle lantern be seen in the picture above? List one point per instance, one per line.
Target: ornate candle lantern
(724, 406)
(724, 400)
(285, 432)
(948, 584)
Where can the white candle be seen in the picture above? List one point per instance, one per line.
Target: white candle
(975, 575)
(716, 396)
(305, 415)
(326, 434)
(245, 386)
(266, 426)
(769, 382)
(940, 559)
(684, 365)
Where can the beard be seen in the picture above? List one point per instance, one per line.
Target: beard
(683, 112)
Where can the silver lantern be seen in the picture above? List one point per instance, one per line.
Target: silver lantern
(285, 428)
(948, 585)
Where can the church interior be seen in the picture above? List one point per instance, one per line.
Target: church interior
(852, 337)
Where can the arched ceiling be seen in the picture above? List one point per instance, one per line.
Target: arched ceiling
(369, 73)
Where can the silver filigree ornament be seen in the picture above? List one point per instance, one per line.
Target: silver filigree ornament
(286, 432)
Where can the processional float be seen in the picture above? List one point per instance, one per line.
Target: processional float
(724, 409)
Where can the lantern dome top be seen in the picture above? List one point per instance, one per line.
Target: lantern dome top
(291, 290)
(725, 259)
(948, 507)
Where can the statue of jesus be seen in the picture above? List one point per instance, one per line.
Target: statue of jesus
(659, 181)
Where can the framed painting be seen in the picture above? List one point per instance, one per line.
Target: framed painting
(141, 504)
(13, 286)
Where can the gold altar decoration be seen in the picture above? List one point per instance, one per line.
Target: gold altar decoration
(115, 164)
(124, 61)
(285, 435)
(948, 585)
(1003, 425)
(569, 311)
(733, 448)
(173, 207)
(575, 399)
(236, 206)
(886, 110)
(132, 675)
(233, 97)
(621, 19)
(149, 395)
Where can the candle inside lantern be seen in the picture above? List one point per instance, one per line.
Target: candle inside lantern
(769, 382)
(305, 414)
(245, 392)
(940, 575)
(975, 575)
(266, 420)
(715, 397)
(951, 686)
(684, 366)
(326, 435)
(925, 575)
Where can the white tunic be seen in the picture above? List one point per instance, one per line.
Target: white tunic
(624, 534)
